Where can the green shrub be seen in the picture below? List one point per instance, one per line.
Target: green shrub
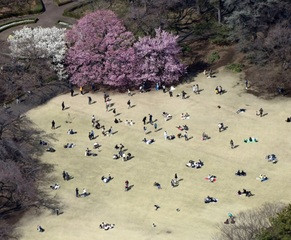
(220, 34)
(39, 7)
(213, 57)
(10, 24)
(72, 11)
(235, 67)
(63, 2)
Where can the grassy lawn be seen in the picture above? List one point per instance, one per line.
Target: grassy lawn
(133, 212)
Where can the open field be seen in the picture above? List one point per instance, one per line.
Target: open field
(133, 212)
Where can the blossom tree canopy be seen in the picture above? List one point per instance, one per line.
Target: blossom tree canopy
(100, 51)
(158, 58)
(40, 43)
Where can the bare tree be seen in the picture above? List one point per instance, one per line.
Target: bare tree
(249, 223)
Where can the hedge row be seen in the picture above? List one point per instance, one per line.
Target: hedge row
(10, 24)
(62, 2)
(69, 12)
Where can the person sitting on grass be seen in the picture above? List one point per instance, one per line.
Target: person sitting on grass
(209, 199)
(156, 184)
(96, 145)
(69, 145)
(250, 139)
(40, 228)
(106, 226)
(205, 136)
(71, 131)
(149, 141)
(50, 149)
(41, 142)
(171, 137)
(85, 193)
(211, 178)
(55, 187)
(167, 116)
(263, 177)
(240, 173)
(106, 179)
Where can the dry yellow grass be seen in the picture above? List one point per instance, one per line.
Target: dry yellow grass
(133, 212)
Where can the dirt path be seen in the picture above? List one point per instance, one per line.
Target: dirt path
(52, 14)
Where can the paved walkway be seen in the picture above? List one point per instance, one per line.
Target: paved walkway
(52, 14)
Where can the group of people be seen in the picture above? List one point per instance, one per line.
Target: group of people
(193, 164)
(121, 152)
(219, 90)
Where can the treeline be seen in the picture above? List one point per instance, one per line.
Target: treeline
(260, 29)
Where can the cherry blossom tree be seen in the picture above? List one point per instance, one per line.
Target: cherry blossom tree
(40, 43)
(157, 59)
(100, 51)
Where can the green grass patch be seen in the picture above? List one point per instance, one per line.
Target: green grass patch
(214, 57)
(235, 67)
(10, 24)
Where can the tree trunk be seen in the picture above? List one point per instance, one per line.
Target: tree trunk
(219, 13)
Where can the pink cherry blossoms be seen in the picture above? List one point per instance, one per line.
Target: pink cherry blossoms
(102, 51)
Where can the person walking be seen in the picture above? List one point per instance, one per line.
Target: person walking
(72, 92)
(144, 120)
(197, 89)
(64, 175)
(176, 176)
(164, 88)
(53, 125)
(126, 185)
(110, 130)
(107, 106)
(231, 144)
(77, 192)
(171, 93)
(151, 119)
(89, 100)
(261, 112)
(81, 91)
(186, 136)
(128, 104)
(247, 84)
(155, 126)
(165, 135)
(63, 106)
(144, 129)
